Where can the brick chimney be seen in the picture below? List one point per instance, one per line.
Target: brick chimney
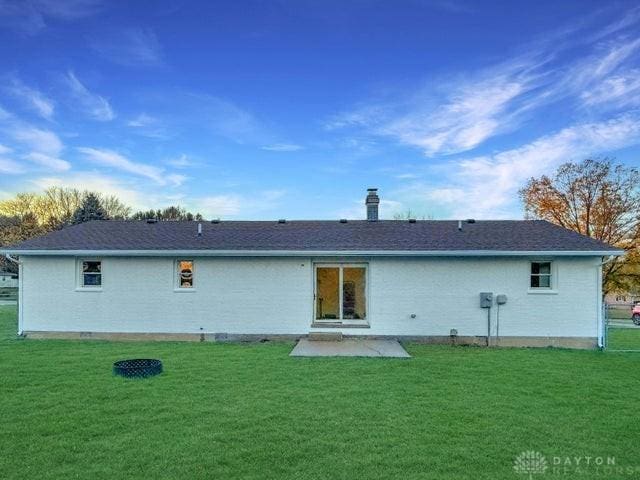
(372, 201)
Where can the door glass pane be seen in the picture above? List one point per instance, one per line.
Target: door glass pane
(353, 293)
(327, 293)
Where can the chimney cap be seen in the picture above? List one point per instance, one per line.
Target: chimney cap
(372, 189)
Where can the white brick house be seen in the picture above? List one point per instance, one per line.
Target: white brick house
(225, 280)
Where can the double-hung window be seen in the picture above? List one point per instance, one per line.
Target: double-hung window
(541, 275)
(91, 274)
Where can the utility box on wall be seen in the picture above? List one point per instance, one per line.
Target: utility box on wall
(486, 299)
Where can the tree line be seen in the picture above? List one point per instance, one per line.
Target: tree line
(598, 198)
(28, 215)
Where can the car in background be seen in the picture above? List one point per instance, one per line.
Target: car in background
(635, 314)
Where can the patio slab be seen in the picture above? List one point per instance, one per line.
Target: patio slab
(349, 348)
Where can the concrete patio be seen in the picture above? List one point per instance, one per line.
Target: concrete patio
(349, 348)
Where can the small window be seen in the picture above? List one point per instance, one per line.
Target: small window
(91, 273)
(185, 273)
(540, 274)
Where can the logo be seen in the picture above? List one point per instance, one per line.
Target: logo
(530, 463)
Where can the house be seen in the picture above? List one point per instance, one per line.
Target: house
(407, 279)
(8, 280)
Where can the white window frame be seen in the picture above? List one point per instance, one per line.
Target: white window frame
(340, 267)
(553, 277)
(80, 286)
(176, 275)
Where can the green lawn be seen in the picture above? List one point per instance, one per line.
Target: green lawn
(223, 411)
(623, 339)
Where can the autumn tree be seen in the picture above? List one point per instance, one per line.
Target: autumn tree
(597, 198)
(56, 206)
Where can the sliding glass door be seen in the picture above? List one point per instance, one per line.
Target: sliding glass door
(340, 292)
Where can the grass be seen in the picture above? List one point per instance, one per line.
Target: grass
(223, 411)
(623, 339)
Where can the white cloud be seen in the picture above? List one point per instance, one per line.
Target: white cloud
(10, 167)
(39, 140)
(131, 47)
(4, 149)
(462, 110)
(282, 147)
(95, 106)
(183, 161)
(34, 99)
(236, 205)
(142, 120)
(487, 186)
(51, 163)
(109, 158)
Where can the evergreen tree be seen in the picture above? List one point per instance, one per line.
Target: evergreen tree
(91, 209)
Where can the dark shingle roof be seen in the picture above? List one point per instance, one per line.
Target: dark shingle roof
(385, 235)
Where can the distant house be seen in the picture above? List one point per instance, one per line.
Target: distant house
(502, 282)
(622, 298)
(8, 280)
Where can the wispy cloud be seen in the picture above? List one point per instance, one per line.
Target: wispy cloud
(109, 158)
(10, 167)
(50, 163)
(461, 111)
(282, 147)
(36, 139)
(234, 205)
(486, 186)
(31, 17)
(183, 161)
(137, 47)
(95, 106)
(143, 120)
(33, 98)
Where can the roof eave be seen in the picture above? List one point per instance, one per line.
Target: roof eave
(317, 253)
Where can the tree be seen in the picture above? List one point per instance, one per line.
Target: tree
(599, 199)
(171, 213)
(14, 230)
(408, 214)
(91, 209)
(56, 206)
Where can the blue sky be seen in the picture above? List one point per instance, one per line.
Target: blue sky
(291, 109)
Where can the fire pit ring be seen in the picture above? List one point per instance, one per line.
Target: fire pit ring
(137, 368)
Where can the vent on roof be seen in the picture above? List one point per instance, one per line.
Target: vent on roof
(412, 220)
(471, 220)
(343, 220)
(282, 220)
(199, 229)
(152, 220)
(215, 220)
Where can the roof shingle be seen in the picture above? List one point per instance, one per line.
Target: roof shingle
(356, 235)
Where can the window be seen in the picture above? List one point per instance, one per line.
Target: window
(91, 274)
(185, 273)
(340, 292)
(541, 275)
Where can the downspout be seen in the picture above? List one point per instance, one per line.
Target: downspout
(602, 329)
(19, 263)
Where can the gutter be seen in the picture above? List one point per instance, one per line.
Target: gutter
(602, 327)
(319, 253)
